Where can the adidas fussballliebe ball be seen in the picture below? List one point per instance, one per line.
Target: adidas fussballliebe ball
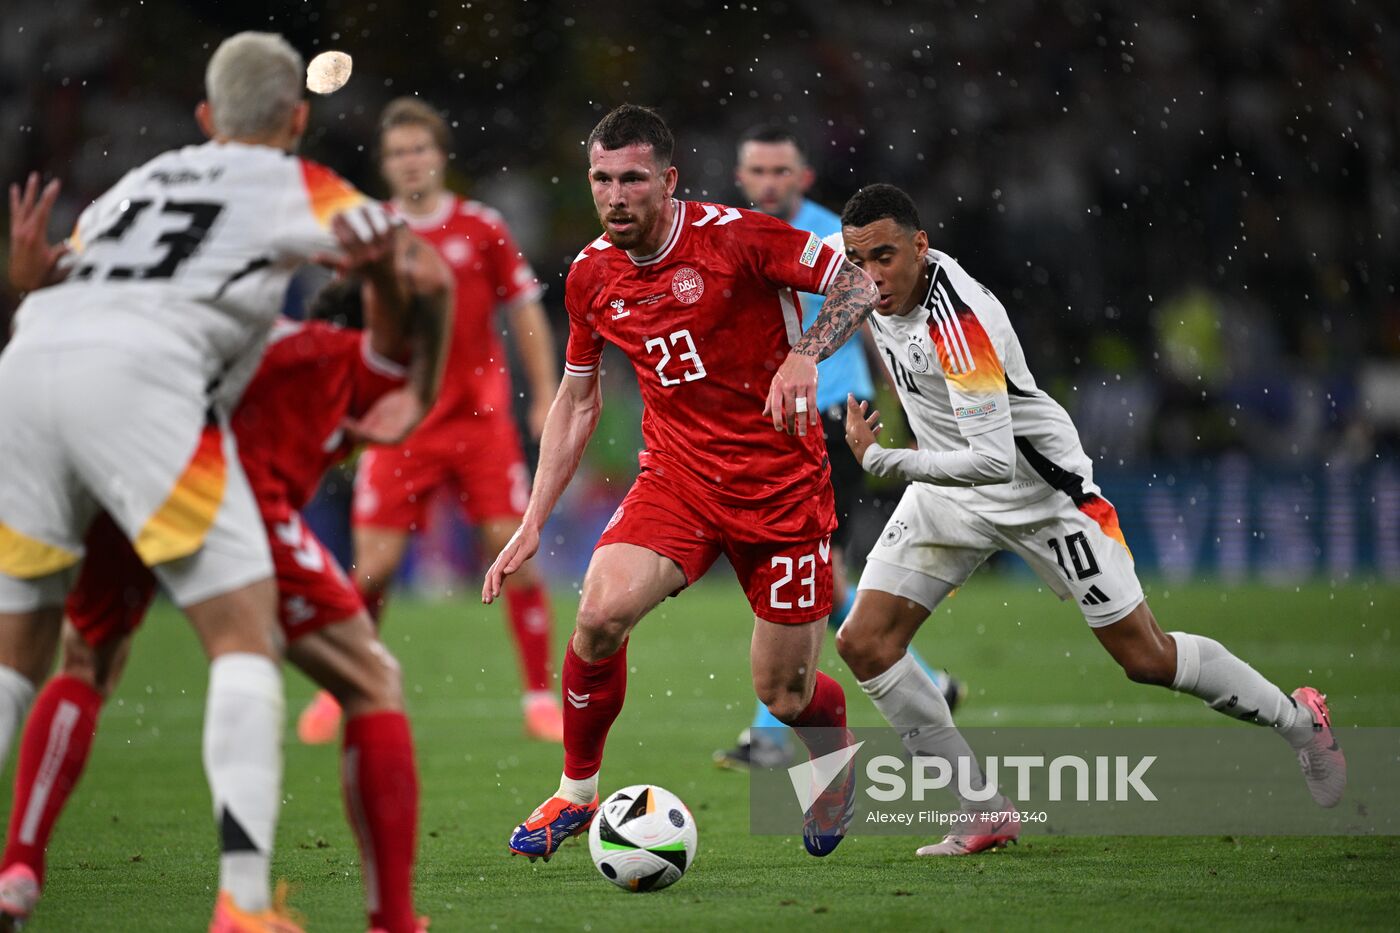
(643, 838)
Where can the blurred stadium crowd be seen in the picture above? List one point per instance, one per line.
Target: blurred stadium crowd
(1191, 212)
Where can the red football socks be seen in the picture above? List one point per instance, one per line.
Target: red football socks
(380, 782)
(821, 726)
(531, 622)
(593, 695)
(52, 755)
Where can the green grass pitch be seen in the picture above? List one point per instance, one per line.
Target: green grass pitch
(136, 849)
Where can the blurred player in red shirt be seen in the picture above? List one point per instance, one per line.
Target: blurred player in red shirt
(468, 443)
(702, 299)
(349, 386)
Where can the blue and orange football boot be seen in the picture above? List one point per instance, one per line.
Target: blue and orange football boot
(829, 816)
(552, 822)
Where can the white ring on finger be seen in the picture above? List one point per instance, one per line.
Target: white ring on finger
(800, 405)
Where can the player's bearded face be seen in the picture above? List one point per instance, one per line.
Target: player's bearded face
(630, 192)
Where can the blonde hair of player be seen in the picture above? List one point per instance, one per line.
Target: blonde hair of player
(253, 87)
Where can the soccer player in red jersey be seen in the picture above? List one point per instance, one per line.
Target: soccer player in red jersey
(469, 441)
(702, 299)
(349, 388)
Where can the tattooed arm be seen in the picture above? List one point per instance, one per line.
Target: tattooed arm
(849, 301)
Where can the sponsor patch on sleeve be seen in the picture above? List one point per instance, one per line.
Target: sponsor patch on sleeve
(963, 412)
(811, 251)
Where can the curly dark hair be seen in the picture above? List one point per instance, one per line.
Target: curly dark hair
(876, 202)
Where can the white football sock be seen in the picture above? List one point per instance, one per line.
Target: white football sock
(578, 790)
(914, 706)
(1206, 669)
(243, 761)
(16, 693)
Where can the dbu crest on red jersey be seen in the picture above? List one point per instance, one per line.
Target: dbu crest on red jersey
(456, 250)
(702, 389)
(687, 285)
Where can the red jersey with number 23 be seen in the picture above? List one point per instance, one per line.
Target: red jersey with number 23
(706, 321)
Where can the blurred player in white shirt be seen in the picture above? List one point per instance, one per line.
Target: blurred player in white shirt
(1000, 467)
(108, 402)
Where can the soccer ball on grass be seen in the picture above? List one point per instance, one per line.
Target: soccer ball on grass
(643, 838)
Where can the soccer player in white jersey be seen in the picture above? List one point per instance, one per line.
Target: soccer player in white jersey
(172, 282)
(773, 174)
(1000, 467)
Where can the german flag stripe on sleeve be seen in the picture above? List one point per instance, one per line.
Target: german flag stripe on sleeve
(328, 193)
(965, 350)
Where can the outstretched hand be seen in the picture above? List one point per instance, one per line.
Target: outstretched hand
(862, 429)
(33, 262)
(520, 548)
(366, 236)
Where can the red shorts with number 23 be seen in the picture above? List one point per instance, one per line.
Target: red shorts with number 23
(781, 553)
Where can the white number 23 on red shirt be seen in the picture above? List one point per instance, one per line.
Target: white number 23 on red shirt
(690, 357)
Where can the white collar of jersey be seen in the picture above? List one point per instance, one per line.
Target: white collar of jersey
(672, 238)
(448, 204)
